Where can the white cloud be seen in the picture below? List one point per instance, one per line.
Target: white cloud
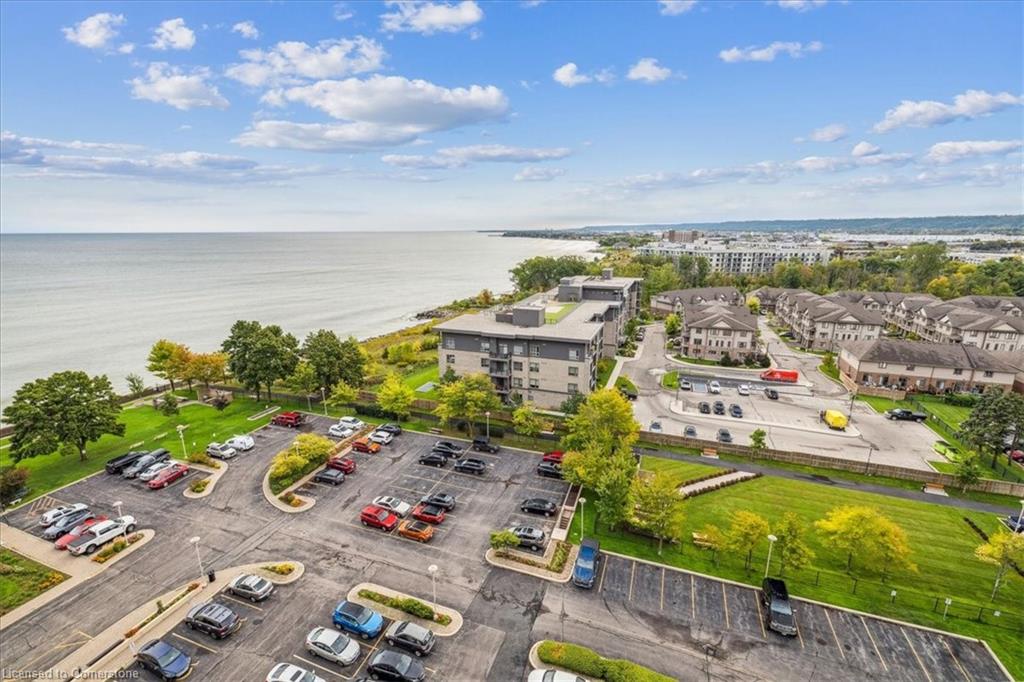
(291, 61)
(830, 133)
(126, 48)
(649, 71)
(988, 175)
(430, 17)
(325, 137)
(246, 29)
(769, 52)
(675, 7)
(173, 34)
(171, 85)
(538, 174)
(458, 157)
(927, 113)
(341, 12)
(865, 149)
(801, 5)
(530, 4)
(948, 152)
(96, 32)
(569, 75)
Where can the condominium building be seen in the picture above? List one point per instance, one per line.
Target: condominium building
(546, 347)
(823, 323)
(739, 257)
(713, 330)
(990, 322)
(668, 302)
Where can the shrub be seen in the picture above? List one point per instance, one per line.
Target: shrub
(199, 486)
(374, 410)
(116, 547)
(12, 481)
(961, 399)
(280, 569)
(429, 342)
(408, 605)
(204, 459)
(52, 578)
(588, 662)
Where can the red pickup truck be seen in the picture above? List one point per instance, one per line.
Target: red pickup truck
(292, 420)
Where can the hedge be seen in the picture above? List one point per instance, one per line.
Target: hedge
(588, 662)
(407, 604)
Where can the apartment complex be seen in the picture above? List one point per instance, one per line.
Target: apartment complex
(715, 329)
(826, 322)
(741, 257)
(668, 302)
(990, 322)
(545, 347)
(922, 366)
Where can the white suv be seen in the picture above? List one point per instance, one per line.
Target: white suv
(100, 534)
(393, 504)
(714, 387)
(352, 423)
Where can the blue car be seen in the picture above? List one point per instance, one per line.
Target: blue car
(585, 570)
(164, 660)
(358, 620)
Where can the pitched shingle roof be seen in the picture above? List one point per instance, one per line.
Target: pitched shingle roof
(950, 355)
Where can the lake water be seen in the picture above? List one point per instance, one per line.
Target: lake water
(98, 302)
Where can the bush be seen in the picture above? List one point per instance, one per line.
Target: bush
(204, 459)
(408, 605)
(12, 482)
(52, 578)
(199, 486)
(588, 662)
(374, 410)
(305, 454)
(961, 399)
(429, 342)
(116, 547)
(280, 569)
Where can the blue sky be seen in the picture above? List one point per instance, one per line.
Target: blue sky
(459, 115)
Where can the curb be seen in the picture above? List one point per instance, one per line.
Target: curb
(538, 664)
(561, 578)
(397, 614)
(215, 476)
(307, 502)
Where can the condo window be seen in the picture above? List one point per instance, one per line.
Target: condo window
(534, 367)
(449, 359)
(957, 372)
(484, 362)
(535, 351)
(517, 382)
(988, 373)
(574, 371)
(518, 349)
(883, 365)
(534, 383)
(517, 366)
(449, 342)
(485, 346)
(503, 348)
(573, 388)
(574, 354)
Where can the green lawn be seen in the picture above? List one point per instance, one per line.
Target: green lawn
(698, 361)
(605, 366)
(831, 371)
(625, 383)
(941, 543)
(551, 317)
(682, 472)
(22, 579)
(953, 415)
(422, 375)
(670, 380)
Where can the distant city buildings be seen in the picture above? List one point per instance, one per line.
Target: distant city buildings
(739, 257)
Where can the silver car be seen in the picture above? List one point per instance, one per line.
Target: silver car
(151, 473)
(332, 645)
(60, 512)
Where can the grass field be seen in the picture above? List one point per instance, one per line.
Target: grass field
(604, 371)
(942, 546)
(953, 415)
(670, 380)
(420, 376)
(22, 579)
(681, 472)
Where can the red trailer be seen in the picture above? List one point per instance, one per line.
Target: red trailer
(788, 376)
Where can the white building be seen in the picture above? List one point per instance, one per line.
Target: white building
(744, 257)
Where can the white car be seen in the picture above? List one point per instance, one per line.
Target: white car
(54, 515)
(220, 450)
(241, 443)
(382, 437)
(100, 534)
(286, 672)
(553, 676)
(352, 423)
(393, 504)
(685, 385)
(151, 473)
(714, 387)
(340, 431)
(743, 389)
(333, 646)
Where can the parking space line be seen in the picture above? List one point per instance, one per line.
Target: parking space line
(194, 642)
(239, 601)
(693, 598)
(320, 667)
(661, 606)
(760, 614)
(604, 569)
(834, 635)
(430, 480)
(84, 634)
(632, 574)
(914, 651)
(873, 643)
(725, 606)
(956, 660)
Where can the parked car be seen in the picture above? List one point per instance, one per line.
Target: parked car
(685, 385)
(378, 517)
(241, 443)
(420, 531)
(585, 570)
(339, 431)
(214, 619)
(381, 437)
(66, 523)
(779, 614)
(719, 407)
(330, 476)
(392, 665)
(342, 463)
(221, 450)
(903, 415)
(428, 513)
(771, 393)
(550, 470)
(333, 646)
(410, 636)
(54, 515)
(484, 444)
(286, 672)
(116, 465)
(471, 465)
(714, 386)
(168, 662)
(442, 500)
(541, 675)
(1014, 522)
(1015, 455)
(393, 429)
(153, 471)
(554, 456)
(365, 445)
(704, 408)
(538, 505)
(724, 436)
(628, 392)
(434, 459)
(449, 446)
(169, 476)
(529, 536)
(743, 389)
(353, 423)
(656, 426)
(736, 411)
(64, 540)
(690, 432)
(144, 462)
(357, 619)
(788, 376)
(292, 420)
(251, 587)
(101, 534)
(393, 504)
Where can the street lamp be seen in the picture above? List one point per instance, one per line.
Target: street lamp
(771, 543)
(323, 399)
(432, 570)
(583, 501)
(181, 435)
(488, 415)
(117, 506)
(194, 540)
(871, 448)
(1020, 518)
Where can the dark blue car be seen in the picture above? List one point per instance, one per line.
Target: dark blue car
(163, 659)
(585, 570)
(358, 619)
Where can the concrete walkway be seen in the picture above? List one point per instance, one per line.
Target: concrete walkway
(715, 482)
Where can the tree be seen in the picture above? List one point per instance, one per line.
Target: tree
(169, 404)
(304, 380)
(543, 272)
(893, 549)
(400, 354)
(613, 488)
(923, 261)
(448, 377)
(180, 364)
(604, 423)
(467, 398)
(394, 396)
(208, 367)
(991, 419)
(502, 541)
(866, 532)
(746, 530)
(572, 404)
(791, 548)
(966, 469)
(65, 412)
(713, 539)
(527, 421)
(757, 440)
(136, 384)
(12, 482)
(342, 394)
(485, 298)
(323, 351)
(754, 305)
(673, 325)
(159, 360)
(1002, 549)
(258, 356)
(658, 506)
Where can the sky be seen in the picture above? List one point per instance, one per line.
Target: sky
(273, 116)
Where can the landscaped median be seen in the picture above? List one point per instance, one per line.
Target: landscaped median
(587, 662)
(441, 620)
(202, 487)
(556, 564)
(295, 466)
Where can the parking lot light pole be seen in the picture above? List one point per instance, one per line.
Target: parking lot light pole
(1020, 518)
(488, 415)
(323, 399)
(767, 564)
(181, 435)
(117, 506)
(194, 540)
(432, 570)
(583, 501)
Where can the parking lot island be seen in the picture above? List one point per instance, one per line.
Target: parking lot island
(307, 502)
(215, 475)
(454, 622)
(528, 564)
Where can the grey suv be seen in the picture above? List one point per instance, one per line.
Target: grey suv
(775, 598)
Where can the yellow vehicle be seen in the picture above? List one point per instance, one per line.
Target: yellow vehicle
(835, 419)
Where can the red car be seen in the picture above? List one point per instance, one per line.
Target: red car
(76, 532)
(428, 513)
(340, 463)
(290, 419)
(366, 445)
(168, 476)
(378, 517)
(554, 456)
(1017, 455)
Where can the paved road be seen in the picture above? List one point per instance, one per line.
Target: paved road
(807, 363)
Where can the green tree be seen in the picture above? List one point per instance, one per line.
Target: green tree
(714, 539)
(863, 531)
(159, 361)
(502, 541)
(572, 404)
(136, 384)
(467, 398)
(208, 367)
(613, 488)
(966, 469)
(304, 381)
(448, 377)
(658, 506)
(791, 547)
(322, 349)
(63, 412)
(527, 421)
(1002, 549)
(12, 481)
(342, 394)
(543, 272)
(394, 396)
(923, 261)
(989, 422)
(746, 531)
(168, 404)
(401, 354)
(673, 325)
(757, 440)
(258, 356)
(603, 423)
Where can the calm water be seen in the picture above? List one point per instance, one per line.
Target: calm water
(98, 302)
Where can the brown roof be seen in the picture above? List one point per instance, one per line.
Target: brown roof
(951, 355)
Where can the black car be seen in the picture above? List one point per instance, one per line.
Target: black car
(433, 459)
(142, 463)
(118, 464)
(214, 619)
(775, 597)
(704, 408)
(538, 505)
(442, 500)
(771, 393)
(690, 432)
(550, 470)
(169, 662)
(724, 436)
(736, 411)
(446, 453)
(330, 476)
(451, 447)
(471, 465)
(719, 407)
(392, 665)
(415, 638)
(393, 429)
(66, 523)
(484, 444)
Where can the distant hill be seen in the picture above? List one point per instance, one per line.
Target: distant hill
(1009, 224)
